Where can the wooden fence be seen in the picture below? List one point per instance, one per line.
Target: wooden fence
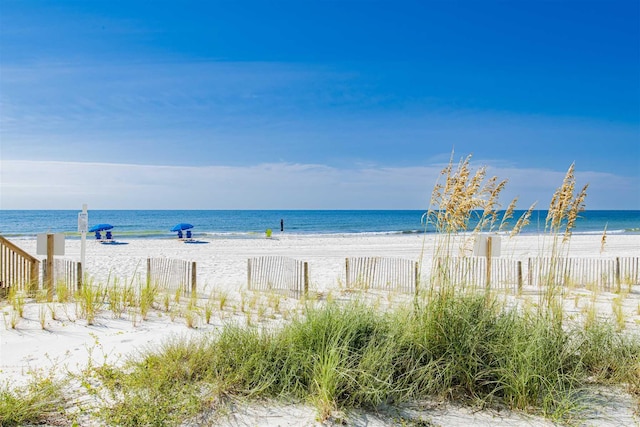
(172, 275)
(17, 268)
(279, 274)
(389, 274)
(473, 271)
(66, 271)
(601, 273)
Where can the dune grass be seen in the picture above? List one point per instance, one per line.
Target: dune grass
(340, 356)
(42, 400)
(336, 356)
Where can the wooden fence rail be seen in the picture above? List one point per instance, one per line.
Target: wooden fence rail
(279, 274)
(17, 268)
(390, 274)
(172, 275)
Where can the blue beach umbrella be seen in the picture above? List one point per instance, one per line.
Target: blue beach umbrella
(100, 227)
(182, 226)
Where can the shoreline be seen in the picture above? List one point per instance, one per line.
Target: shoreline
(253, 223)
(252, 235)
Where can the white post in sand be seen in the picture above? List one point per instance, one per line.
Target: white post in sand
(83, 225)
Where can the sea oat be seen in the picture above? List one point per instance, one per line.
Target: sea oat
(523, 221)
(603, 241)
(577, 206)
(561, 202)
(508, 214)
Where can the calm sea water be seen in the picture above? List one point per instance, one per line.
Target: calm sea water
(253, 223)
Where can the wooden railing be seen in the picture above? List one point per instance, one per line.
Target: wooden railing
(172, 275)
(390, 274)
(17, 268)
(279, 274)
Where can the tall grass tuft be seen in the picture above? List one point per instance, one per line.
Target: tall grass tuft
(148, 296)
(610, 357)
(565, 207)
(564, 210)
(17, 300)
(223, 298)
(63, 295)
(208, 311)
(460, 196)
(39, 401)
(117, 299)
(89, 299)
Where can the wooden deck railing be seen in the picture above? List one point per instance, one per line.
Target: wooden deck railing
(17, 268)
(279, 274)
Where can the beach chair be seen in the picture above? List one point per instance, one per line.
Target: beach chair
(109, 236)
(180, 234)
(188, 234)
(98, 235)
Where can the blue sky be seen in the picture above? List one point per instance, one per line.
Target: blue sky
(313, 104)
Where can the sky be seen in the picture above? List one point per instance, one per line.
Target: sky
(311, 104)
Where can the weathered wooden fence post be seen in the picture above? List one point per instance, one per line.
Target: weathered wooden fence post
(35, 277)
(148, 271)
(193, 278)
(519, 276)
(49, 270)
(79, 276)
(618, 280)
(249, 274)
(306, 278)
(488, 284)
(347, 270)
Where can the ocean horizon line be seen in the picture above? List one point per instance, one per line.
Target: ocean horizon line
(152, 223)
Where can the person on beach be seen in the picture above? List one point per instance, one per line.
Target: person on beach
(281, 225)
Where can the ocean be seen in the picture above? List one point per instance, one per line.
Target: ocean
(148, 224)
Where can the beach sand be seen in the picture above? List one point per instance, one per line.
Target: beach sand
(68, 344)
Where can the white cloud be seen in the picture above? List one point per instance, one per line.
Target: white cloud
(27, 184)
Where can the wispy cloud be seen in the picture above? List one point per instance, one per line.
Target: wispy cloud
(28, 184)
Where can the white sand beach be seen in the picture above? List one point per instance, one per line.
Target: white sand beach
(222, 263)
(68, 344)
